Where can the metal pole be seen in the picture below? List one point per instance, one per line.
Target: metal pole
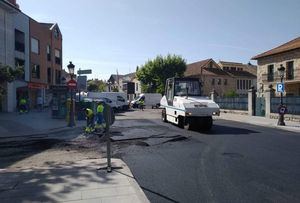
(71, 119)
(79, 91)
(281, 115)
(108, 143)
(281, 94)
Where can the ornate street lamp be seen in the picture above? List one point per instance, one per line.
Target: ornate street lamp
(281, 72)
(71, 68)
(109, 85)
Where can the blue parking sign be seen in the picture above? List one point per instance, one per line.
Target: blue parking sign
(280, 87)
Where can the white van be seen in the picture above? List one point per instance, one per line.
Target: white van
(150, 99)
(118, 97)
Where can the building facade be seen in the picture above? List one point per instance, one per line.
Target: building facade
(212, 77)
(45, 60)
(288, 55)
(223, 78)
(243, 74)
(14, 50)
(36, 47)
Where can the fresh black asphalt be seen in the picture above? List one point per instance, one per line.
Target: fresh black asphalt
(235, 162)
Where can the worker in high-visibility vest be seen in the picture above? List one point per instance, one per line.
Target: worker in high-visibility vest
(23, 105)
(89, 120)
(100, 116)
(142, 103)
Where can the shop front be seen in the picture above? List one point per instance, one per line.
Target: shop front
(35, 92)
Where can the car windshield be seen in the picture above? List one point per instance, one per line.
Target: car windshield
(193, 88)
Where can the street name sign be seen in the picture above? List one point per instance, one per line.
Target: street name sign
(83, 72)
(280, 87)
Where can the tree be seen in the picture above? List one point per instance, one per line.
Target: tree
(96, 85)
(153, 74)
(8, 75)
(231, 94)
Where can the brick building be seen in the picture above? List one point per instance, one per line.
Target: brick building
(45, 60)
(288, 55)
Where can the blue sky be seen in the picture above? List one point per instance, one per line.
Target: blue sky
(111, 35)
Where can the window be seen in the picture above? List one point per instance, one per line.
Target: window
(226, 68)
(238, 84)
(57, 56)
(35, 71)
(49, 75)
(247, 84)
(290, 70)
(57, 76)
(35, 46)
(250, 84)
(241, 84)
(19, 41)
(191, 88)
(219, 81)
(233, 68)
(136, 86)
(56, 33)
(213, 81)
(244, 84)
(20, 63)
(270, 73)
(48, 53)
(225, 81)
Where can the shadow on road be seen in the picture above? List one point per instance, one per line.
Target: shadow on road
(218, 129)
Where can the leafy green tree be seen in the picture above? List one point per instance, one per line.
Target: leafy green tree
(96, 85)
(8, 75)
(153, 74)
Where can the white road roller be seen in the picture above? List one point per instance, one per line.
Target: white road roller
(183, 104)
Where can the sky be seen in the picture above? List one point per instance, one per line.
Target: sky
(110, 36)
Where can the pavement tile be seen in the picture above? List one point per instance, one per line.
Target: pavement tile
(121, 199)
(96, 200)
(98, 193)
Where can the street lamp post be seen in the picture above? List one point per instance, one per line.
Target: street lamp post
(109, 86)
(71, 68)
(281, 72)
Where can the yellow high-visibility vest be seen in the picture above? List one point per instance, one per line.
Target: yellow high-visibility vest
(89, 113)
(100, 108)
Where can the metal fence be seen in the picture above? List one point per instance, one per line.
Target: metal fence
(235, 103)
(291, 102)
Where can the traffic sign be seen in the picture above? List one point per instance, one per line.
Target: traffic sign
(72, 84)
(280, 87)
(282, 109)
(81, 83)
(82, 72)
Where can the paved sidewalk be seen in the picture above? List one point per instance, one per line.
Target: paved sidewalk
(262, 121)
(34, 122)
(74, 182)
